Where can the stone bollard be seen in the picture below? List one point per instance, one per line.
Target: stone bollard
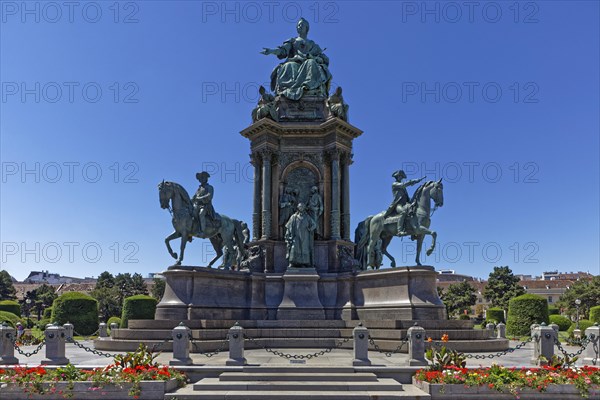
(555, 327)
(591, 354)
(113, 327)
(7, 350)
(69, 329)
(490, 328)
(102, 330)
(501, 331)
(236, 346)
(416, 346)
(181, 345)
(360, 334)
(55, 346)
(544, 344)
(533, 331)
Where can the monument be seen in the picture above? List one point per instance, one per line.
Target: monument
(298, 266)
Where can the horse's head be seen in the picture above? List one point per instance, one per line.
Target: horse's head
(165, 193)
(437, 192)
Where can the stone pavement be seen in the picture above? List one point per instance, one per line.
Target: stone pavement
(337, 357)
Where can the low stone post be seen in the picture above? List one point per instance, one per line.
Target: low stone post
(236, 346)
(501, 331)
(490, 328)
(181, 345)
(69, 329)
(55, 346)
(360, 334)
(7, 350)
(416, 346)
(536, 352)
(102, 330)
(544, 344)
(591, 354)
(113, 327)
(555, 327)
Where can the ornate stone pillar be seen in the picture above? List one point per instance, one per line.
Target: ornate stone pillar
(347, 160)
(266, 193)
(334, 154)
(256, 212)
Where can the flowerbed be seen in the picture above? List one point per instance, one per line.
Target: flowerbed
(518, 382)
(133, 374)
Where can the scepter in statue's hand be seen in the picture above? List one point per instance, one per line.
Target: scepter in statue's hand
(266, 51)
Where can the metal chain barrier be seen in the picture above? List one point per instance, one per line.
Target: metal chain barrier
(158, 346)
(439, 345)
(88, 349)
(211, 353)
(583, 343)
(387, 353)
(297, 356)
(13, 340)
(86, 337)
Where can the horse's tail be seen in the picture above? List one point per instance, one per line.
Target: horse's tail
(238, 236)
(362, 235)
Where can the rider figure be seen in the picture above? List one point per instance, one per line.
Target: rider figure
(401, 204)
(202, 202)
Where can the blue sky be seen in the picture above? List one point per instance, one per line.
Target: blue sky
(103, 100)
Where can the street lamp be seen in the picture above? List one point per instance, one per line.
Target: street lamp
(577, 304)
(27, 308)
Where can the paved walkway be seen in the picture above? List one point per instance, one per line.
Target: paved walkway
(337, 357)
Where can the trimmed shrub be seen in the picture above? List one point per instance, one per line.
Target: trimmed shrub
(47, 313)
(77, 308)
(10, 318)
(525, 310)
(41, 324)
(583, 325)
(563, 323)
(10, 306)
(553, 310)
(138, 307)
(115, 320)
(595, 314)
(495, 315)
(464, 317)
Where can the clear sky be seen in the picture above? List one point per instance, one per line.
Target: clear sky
(102, 100)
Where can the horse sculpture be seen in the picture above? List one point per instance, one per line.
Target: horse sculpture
(374, 234)
(223, 239)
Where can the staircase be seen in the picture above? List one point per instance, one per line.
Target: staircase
(297, 382)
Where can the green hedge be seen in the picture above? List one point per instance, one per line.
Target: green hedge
(495, 315)
(583, 325)
(138, 307)
(10, 306)
(115, 320)
(526, 310)
(10, 318)
(77, 308)
(47, 313)
(553, 310)
(595, 314)
(563, 323)
(464, 317)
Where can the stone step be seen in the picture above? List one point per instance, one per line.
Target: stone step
(309, 375)
(287, 368)
(187, 394)
(301, 383)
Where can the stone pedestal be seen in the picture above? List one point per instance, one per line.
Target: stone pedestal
(300, 295)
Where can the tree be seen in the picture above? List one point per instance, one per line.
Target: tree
(502, 286)
(158, 288)
(41, 297)
(588, 291)
(458, 297)
(7, 290)
(110, 291)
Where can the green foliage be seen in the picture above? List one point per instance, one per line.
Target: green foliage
(158, 288)
(502, 286)
(583, 325)
(464, 317)
(113, 320)
(444, 358)
(553, 310)
(495, 315)
(563, 323)
(10, 318)
(595, 314)
(41, 297)
(7, 289)
(111, 291)
(41, 324)
(524, 311)
(458, 297)
(48, 313)
(586, 290)
(77, 308)
(11, 306)
(138, 307)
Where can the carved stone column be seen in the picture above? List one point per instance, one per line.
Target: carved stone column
(266, 193)
(334, 154)
(256, 212)
(347, 160)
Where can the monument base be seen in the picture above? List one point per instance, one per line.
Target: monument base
(300, 295)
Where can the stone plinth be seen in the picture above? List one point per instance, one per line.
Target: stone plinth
(300, 295)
